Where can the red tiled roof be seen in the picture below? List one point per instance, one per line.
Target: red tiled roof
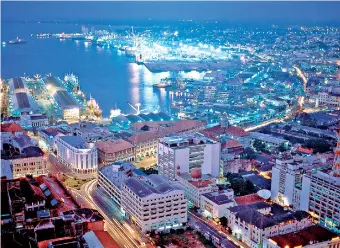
(303, 237)
(305, 150)
(248, 199)
(106, 240)
(142, 137)
(201, 183)
(231, 144)
(44, 244)
(37, 191)
(213, 132)
(11, 127)
(113, 146)
(161, 131)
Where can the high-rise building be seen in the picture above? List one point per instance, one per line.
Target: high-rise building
(181, 154)
(321, 194)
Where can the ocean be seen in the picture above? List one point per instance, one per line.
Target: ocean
(105, 73)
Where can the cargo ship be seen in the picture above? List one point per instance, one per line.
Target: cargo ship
(17, 41)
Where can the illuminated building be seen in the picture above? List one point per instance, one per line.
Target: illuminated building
(215, 204)
(330, 98)
(310, 237)
(195, 185)
(181, 154)
(77, 154)
(287, 177)
(154, 204)
(111, 177)
(68, 105)
(252, 223)
(115, 150)
(31, 160)
(321, 192)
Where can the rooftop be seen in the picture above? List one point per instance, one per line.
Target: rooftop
(251, 215)
(312, 234)
(216, 131)
(248, 199)
(11, 128)
(161, 129)
(231, 144)
(218, 198)
(76, 141)
(114, 146)
(156, 185)
(267, 137)
(182, 141)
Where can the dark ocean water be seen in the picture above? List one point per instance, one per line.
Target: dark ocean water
(108, 75)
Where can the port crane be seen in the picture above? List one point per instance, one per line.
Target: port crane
(138, 107)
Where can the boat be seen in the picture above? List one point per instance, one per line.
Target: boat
(163, 84)
(17, 41)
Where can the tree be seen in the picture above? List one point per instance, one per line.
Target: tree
(224, 221)
(282, 148)
(318, 145)
(259, 145)
(248, 153)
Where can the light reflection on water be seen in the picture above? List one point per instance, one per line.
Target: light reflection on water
(108, 75)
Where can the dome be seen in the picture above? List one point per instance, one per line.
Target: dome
(196, 173)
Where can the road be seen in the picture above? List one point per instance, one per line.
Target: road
(119, 232)
(223, 233)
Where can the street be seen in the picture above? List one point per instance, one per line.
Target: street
(220, 230)
(119, 232)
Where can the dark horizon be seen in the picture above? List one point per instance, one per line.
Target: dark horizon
(125, 12)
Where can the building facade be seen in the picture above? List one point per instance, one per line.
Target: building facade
(115, 150)
(76, 154)
(181, 154)
(154, 204)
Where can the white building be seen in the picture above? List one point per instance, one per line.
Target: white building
(195, 185)
(330, 98)
(215, 204)
(321, 197)
(111, 178)
(76, 154)
(181, 154)
(154, 204)
(287, 174)
(34, 121)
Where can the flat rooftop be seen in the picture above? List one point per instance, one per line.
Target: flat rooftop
(182, 141)
(65, 100)
(75, 141)
(18, 84)
(22, 100)
(218, 198)
(156, 185)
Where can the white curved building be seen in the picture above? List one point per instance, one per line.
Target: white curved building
(77, 154)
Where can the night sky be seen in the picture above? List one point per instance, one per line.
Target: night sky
(293, 12)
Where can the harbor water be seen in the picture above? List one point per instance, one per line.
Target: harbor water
(105, 73)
